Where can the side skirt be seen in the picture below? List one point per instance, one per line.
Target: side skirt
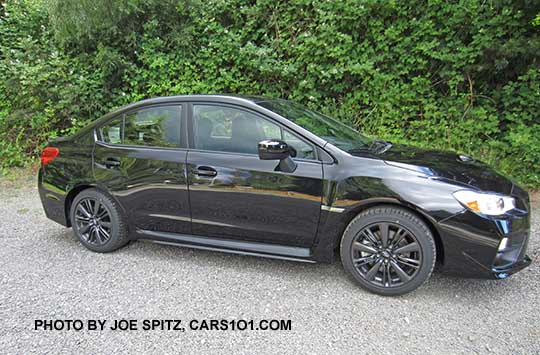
(273, 251)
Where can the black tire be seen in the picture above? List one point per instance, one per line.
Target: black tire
(98, 221)
(388, 270)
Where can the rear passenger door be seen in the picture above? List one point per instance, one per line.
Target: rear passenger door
(140, 158)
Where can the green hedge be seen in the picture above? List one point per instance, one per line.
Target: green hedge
(462, 75)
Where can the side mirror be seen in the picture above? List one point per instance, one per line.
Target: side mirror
(275, 149)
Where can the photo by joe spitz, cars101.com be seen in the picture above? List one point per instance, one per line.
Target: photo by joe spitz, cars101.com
(267, 177)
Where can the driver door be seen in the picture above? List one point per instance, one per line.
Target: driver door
(235, 195)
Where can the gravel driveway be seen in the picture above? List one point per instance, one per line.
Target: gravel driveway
(46, 274)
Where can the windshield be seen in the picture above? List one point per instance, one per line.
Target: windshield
(334, 132)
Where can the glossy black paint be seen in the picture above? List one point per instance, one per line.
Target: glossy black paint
(240, 203)
(151, 184)
(249, 200)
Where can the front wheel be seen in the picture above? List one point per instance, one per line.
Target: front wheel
(388, 250)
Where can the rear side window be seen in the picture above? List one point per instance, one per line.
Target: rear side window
(152, 127)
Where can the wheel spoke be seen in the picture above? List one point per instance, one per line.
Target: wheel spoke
(373, 271)
(88, 207)
(90, 238)
(388, 275)
(398, 236)
(409, 262)
(403, 276)
(103, 213)
(84, 211)
(105, 224)
(409, 248)
(104, 232)
(362, 261)
(96, 234)
(85, 228)
(371, 237)
(383, 231)
(100, 235)
(364, 248)
(80, 218)
(97, 206)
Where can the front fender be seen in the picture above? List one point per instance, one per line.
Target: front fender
(372, 182)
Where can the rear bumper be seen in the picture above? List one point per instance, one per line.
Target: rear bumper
(485, 247)
(53, 200)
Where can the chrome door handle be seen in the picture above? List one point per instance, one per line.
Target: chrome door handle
(112, 162)
(206, 171)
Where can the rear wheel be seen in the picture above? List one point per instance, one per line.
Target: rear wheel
(388, 250)
(98, 221)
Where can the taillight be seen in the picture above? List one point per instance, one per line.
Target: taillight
(49, 154)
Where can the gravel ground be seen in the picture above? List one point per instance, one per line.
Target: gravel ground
(46, 274)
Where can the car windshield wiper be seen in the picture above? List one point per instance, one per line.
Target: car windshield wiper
(376, 147)
(360, 150)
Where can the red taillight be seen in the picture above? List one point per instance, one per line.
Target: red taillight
(49, 154)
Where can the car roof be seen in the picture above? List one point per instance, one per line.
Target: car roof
(224, 98)
(213, 97)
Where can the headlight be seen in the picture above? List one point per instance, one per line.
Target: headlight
(485, 203)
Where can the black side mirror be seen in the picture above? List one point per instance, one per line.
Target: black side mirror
(275, 149)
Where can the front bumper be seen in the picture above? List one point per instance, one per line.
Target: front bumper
(503, 273)
(485, 247)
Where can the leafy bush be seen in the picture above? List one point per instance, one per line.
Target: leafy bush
(461, 75)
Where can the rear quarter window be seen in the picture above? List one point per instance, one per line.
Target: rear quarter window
(112, 132)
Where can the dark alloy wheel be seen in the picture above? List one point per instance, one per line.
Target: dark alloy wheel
(388, 250)
(386, 254)
(93, 221)
(98, 222)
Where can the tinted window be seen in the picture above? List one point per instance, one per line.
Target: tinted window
(303, 149)
(230, 130)
(153, 127)
(335, 132)
(112, 131)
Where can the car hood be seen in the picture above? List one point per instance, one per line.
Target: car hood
(447, 165)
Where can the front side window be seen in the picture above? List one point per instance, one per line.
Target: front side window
(152, 127)
(334, 132)
(226, 129)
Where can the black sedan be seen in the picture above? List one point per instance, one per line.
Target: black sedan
(267, 177)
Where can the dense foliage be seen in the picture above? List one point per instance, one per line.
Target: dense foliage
(463, 75)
